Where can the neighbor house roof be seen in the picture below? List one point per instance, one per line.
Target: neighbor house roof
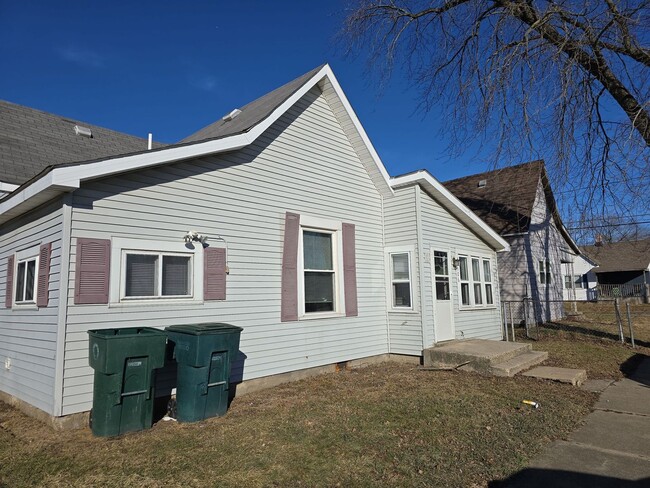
(504, 198)
(32, 140)
(453, 205)
(59, 178)
(620, 256)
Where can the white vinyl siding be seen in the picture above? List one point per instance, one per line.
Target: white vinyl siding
(405, 326)
(442, 231)
(28, 335)
(305, 164)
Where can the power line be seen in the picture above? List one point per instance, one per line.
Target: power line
(609, 225)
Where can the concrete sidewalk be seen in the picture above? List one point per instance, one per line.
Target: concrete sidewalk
(612, 449)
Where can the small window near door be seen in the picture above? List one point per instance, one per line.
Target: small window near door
(441, 270)
(401, 279)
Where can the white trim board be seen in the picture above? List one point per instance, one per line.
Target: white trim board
(457, 208)
(68, 178)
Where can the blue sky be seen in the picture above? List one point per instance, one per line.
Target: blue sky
(171, 68)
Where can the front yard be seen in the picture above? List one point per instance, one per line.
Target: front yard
(385, 425)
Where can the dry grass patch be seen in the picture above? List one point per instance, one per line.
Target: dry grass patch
(386, 425)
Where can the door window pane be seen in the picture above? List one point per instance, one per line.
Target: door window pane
(319, 291)
(317, 248)
(440, 263)
(141, 271)
(442, 288)
(176, 275)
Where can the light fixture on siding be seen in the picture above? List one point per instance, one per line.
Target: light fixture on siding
(455, 262)
(194, 236)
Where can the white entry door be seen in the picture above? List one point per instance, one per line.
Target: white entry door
(443, 306)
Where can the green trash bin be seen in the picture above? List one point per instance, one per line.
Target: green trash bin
(204, 353)
(124, 361)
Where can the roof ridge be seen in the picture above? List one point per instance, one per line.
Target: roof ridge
(499, 170)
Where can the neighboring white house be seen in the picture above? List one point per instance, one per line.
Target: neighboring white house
(579, 279)
(310, 249)
(518, 203)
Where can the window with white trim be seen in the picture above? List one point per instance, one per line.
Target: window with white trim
(319, 276)
(143, 270)
(475, 281)
(25, 278)
(400, 277)
(156, 275)
(545, 272)
(579, 281)
(568, 282)
(320, 273)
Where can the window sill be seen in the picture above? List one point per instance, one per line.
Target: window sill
(27, 306)
(154, 303)
(484, 307)
(408, 311)
(321, 315)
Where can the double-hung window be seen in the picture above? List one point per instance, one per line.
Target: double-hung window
(568, 282)
(579, 281)
(475, 278)
(545, 272)
(400, 272)
(26, 282)
(319, 271)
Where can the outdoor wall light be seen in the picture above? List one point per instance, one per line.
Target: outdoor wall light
(455, 262)
(194, 236)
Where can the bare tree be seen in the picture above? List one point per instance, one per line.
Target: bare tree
(563, 79)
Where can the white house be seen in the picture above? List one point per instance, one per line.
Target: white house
(312, 249)
(579, 279)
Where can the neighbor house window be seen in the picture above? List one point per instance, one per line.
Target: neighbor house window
(319, 271)
(578, 280)
(157, 274)
(26, 282)
(545, 272)
(475, 277)
(568, 282)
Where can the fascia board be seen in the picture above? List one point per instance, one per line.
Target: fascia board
(8, 187)
(454, 205)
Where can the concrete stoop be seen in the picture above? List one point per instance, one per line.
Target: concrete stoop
(496, 358)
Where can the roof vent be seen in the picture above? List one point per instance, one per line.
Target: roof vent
(482, 183)
(231, 115)
(80, 130)
(599, 240)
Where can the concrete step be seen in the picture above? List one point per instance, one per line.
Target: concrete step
(479, 354)
(564, 375)
(512, 366)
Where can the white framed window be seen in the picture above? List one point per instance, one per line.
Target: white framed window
(153, 271)
(475, 281)
(579, 281)
(320, 270)
(568, 282)
(26, 277)
(399, 279)
(545, 272)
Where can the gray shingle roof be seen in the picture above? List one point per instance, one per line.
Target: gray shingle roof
(32, 140)
(252, 113)
(620, 256)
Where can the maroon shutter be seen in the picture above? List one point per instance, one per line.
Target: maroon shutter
(91, 275)
(289, 303)
(214, 273)
(43, 292)
(9, 289)
(350, 271)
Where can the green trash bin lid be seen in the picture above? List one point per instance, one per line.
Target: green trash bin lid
(203, 329)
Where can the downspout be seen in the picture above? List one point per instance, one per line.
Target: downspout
(421, 255)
